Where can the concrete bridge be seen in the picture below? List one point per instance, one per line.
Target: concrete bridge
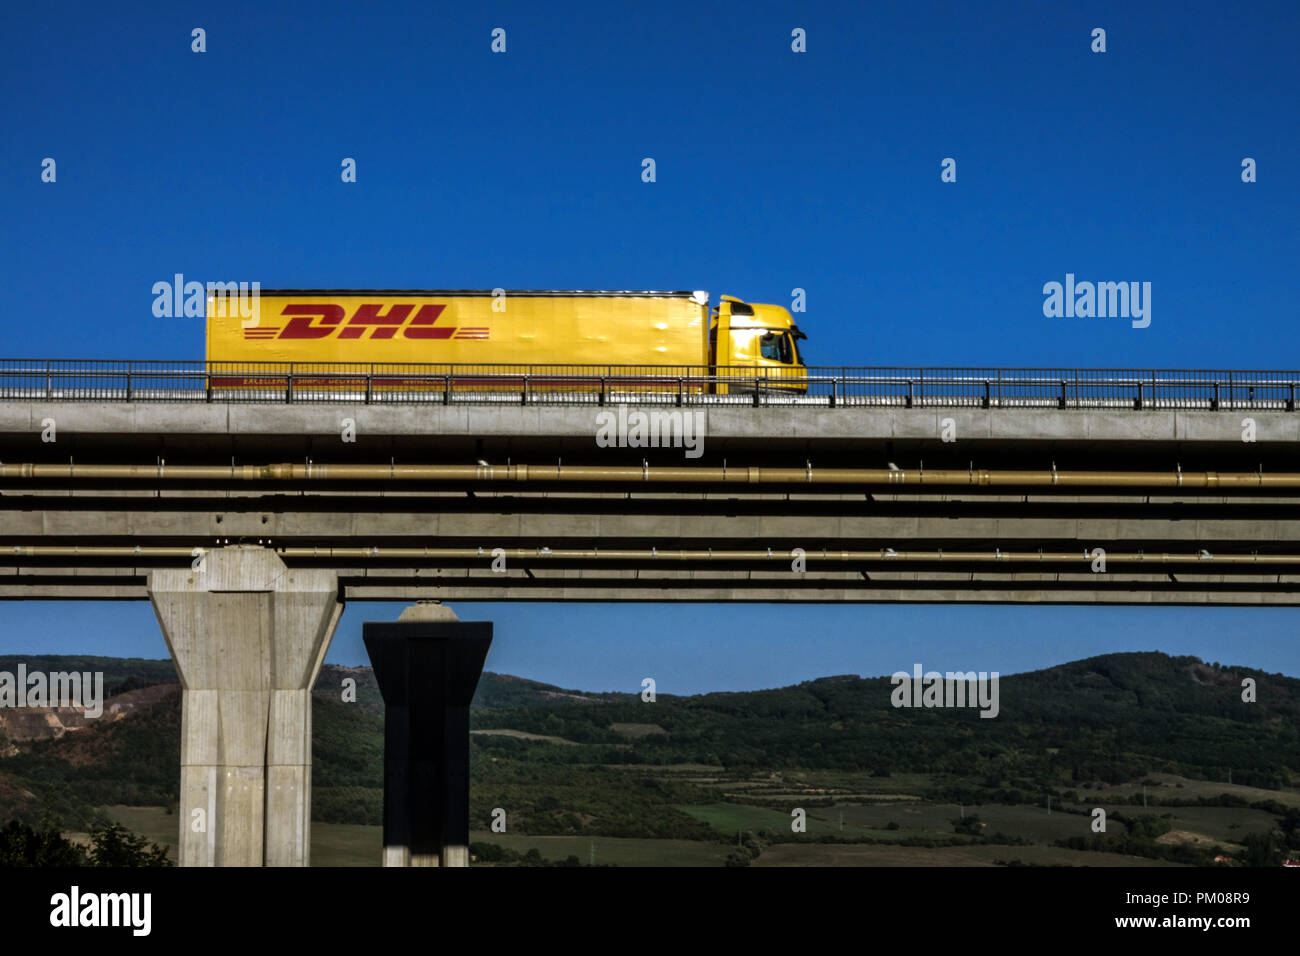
(250, 523)
(393, 502)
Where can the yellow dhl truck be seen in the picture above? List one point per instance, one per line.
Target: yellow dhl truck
(560, 340)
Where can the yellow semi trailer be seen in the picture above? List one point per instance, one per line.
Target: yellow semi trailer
(328, 338)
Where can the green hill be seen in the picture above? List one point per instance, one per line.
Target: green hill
(1103, 721)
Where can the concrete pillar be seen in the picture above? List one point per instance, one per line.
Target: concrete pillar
(427, 665)
(248, 636)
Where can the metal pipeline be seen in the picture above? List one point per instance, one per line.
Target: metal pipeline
(641, 474)
(780, 556)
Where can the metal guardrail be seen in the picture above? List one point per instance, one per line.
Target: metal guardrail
(75, 380)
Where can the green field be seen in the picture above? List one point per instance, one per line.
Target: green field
(728, 818)
(346, 844)
(848, 819)
(1224, 824)
(335, 844)
(155, 824)
(935, 820)
(1173, 787)
(928, 820)
(339, 844)
(824, 854)
(620, 851)
(521, 735)
(636, 730)
(857, 781)
(332, 844)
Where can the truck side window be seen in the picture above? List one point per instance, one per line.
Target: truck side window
(775, 346)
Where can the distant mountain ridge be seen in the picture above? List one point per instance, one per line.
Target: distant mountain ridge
(132, 683)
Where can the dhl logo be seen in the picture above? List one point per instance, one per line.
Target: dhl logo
(323, 321)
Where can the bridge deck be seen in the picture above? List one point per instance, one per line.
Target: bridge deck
(390, 540)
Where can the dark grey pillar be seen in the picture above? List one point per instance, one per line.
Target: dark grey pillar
(427, 671)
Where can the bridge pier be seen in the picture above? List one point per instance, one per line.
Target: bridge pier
(248, 636)
(427, 665)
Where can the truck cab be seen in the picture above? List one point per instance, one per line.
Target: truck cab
(755, 347)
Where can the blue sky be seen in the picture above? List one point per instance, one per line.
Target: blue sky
(775, 170)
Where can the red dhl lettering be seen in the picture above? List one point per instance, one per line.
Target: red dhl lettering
(325, 320)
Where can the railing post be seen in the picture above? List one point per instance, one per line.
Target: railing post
(909, 393)
(1290, 402)
(446, 388)
(679, 391)
(288, 386)
(1214, 402)
(1138, 404)
(600, 399)
(1061, 400)
(49, 392)
(756, 391)
(523, 396)
(986, 393)
(370, 385)
(128, 381)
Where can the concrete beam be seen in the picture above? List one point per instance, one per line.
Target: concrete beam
(248, 636)
(1019, 594)
(400, 591)
(540, 582)
(410, 527)
(168, 424)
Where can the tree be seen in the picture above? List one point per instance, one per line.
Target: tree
(115, 845)
(1262, 849)
(22, 845)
